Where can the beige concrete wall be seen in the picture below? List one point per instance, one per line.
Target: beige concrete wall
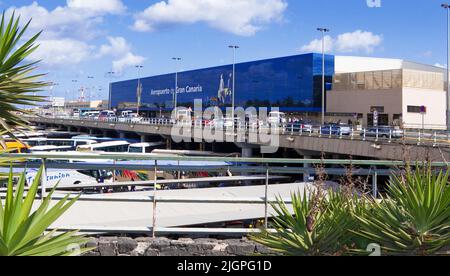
(394, 101)
(434, 100)
(361, 101)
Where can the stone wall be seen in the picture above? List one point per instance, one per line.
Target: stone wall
(118, 246)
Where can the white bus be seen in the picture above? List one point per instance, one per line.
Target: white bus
(144, 147)
(114, 146)
(40, 149)
(68, 178)
(73, 143)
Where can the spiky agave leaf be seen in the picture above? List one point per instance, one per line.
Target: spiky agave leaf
(22, 232)
(414, 219)
(330, 233)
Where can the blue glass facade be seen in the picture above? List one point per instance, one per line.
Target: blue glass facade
(294, 84)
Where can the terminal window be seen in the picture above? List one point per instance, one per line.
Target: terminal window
(414, 109)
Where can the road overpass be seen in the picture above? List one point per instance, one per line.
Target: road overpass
(413, 147)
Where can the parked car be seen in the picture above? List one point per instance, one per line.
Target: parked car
(228, 122)
(301, 126)
(107, 115)
(215, 123)
(336, 130)
(383, 132)
(130, 118)
(277, 118)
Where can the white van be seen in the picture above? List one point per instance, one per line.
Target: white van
(129, 117)
(184, 115)
(277, 118)
(107, 115)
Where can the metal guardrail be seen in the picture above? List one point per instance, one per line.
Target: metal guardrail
(435, 138)
(155, 199)
(160, 231)
(237, 160)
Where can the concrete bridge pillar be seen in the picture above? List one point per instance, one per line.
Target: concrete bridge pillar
(122, 135)
(307, 175)
(202, 146)
(169, 143)
(91, 132)
(105, 133)
(247, 152)
(307, 155)
(144, 138)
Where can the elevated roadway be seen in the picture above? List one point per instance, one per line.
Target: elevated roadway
(415, 147)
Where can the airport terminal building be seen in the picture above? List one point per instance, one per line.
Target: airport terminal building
(365, 91)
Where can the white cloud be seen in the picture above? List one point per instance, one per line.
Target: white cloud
(128, 60)
(240, 17)
(77, 19)
(316, 45)
(98, 6)
(118, 46)
(441, 65)
(121, 50)
(62, 52)
(70, 29)
(357, 41)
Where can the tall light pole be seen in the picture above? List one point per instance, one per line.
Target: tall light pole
(90, 89)
(52, 98)
(323, 31)
(175, 94)
(447, 7)
(234, 47)
(74, 91)
(110, 74)
(139, 88)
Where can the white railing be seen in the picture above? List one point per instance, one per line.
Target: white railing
(433, 138)
(154, 199)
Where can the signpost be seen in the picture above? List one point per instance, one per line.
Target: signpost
(423, 111)
(375, 118)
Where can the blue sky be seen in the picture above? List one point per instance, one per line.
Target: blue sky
(90, 38)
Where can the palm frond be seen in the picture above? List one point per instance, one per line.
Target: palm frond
(22, 231)
(18, 82)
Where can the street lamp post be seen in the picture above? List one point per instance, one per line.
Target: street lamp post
(323, 31)
(52, 99)
(447, 7)
(139, 88)
(175, 94)
(90, 89)
(110, 74)
(74, 90)
(234, 47)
